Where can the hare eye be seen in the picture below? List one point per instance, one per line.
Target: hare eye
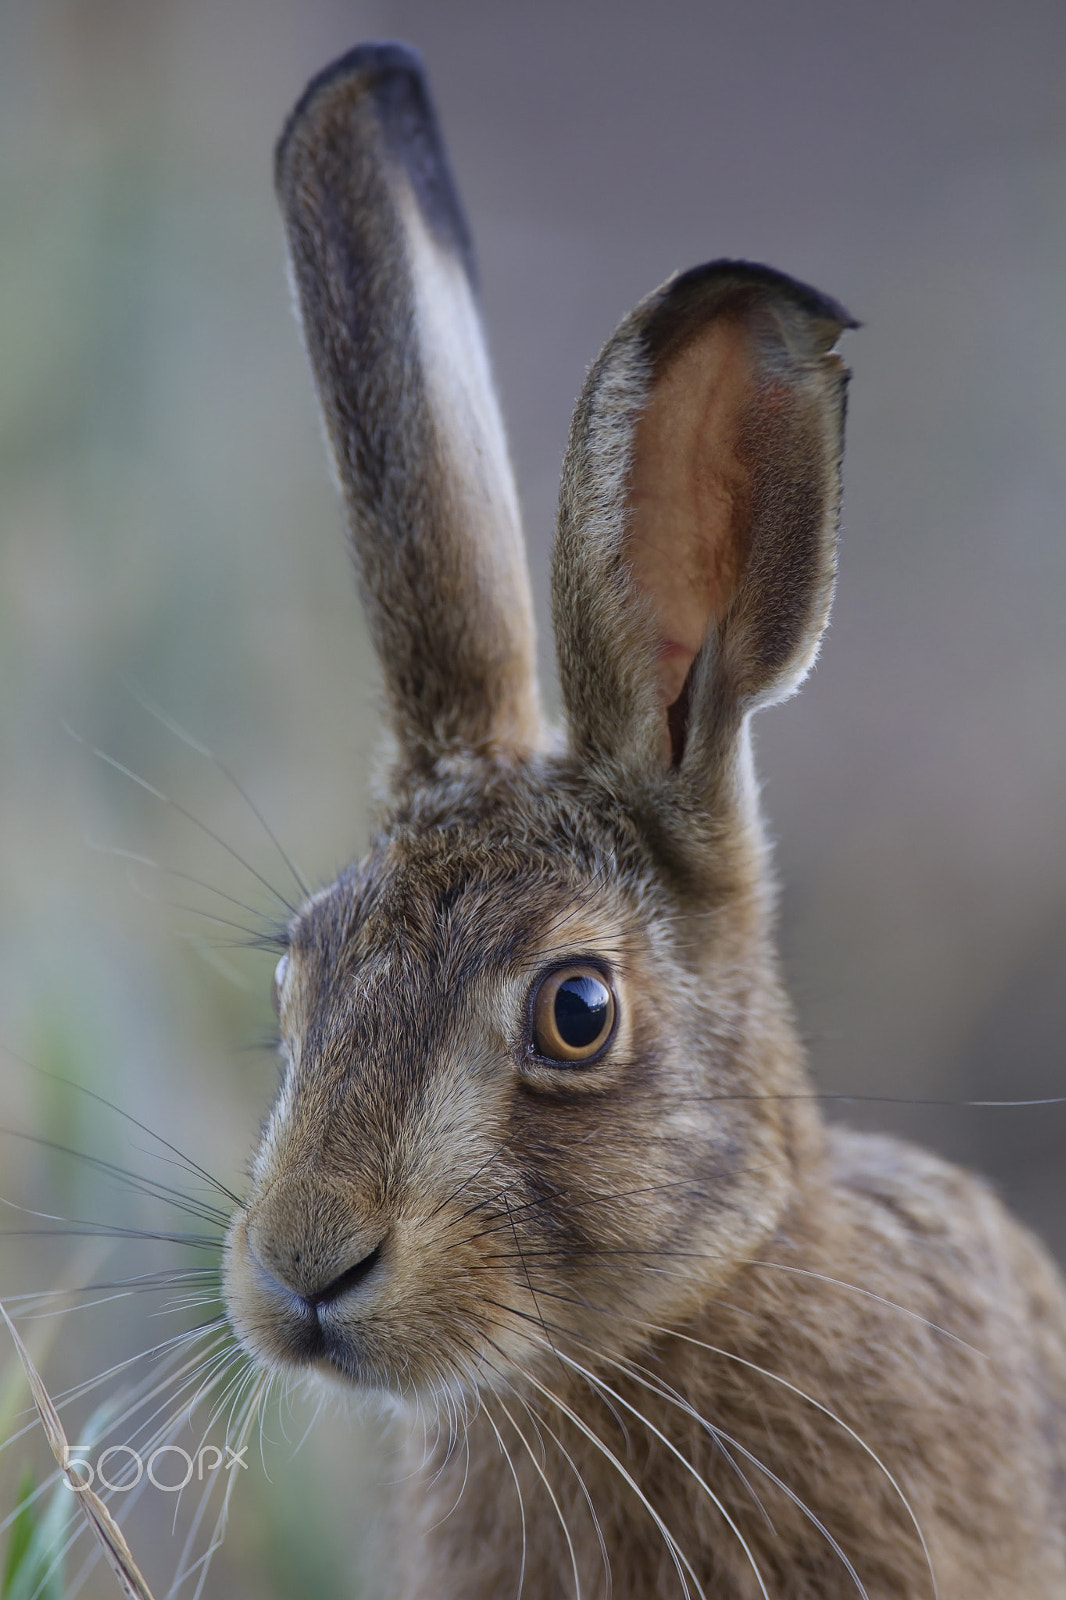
(573, 1014)
(278, 980)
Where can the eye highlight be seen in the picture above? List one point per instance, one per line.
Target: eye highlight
(573, 1014)
(277, 982)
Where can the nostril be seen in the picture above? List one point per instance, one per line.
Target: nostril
(350, 1278)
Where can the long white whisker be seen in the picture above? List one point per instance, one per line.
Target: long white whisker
(857, 1288)
(775, 1377)
(551, 1494)
(518, 1492)
(680, 1560)
(82, 1389)
(194, 1526)
(665, 1392)
(539, 1423)
(255, 1403)
(598, 1384)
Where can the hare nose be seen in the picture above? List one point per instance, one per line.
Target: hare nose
(307, 1243)
(350, 1278)
(296, 1285)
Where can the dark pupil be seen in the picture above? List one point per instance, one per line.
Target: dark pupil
(581, 1010)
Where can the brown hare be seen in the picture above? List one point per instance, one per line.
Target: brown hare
(545, 1164)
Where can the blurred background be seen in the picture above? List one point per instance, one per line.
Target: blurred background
(169, 538)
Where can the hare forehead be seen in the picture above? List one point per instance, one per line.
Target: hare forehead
(426, 908)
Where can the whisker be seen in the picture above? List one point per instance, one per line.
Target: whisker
(599, 1384)
(193, 1375)
(539, 1423)
(804, 1509)
(204, 1561)
(847, 1096)
(198, 1375)
(137, 1181)
(101, 1430)
(649, 1381)
(94, 1230)
(98, 1435)
(183, 811)
(572, 1252)
(86, 1305)
(543, 1202)
(680, 1560)
(466, 1181)
(138, 860)
(776, 1377)
(658, 1386)
(205, 1375)
(117, 1288)
(525, 1270)
(518, 1492)
(175, 727)
(551, 1495)
(453, 1431)
(894, 1305)
(320, 1406)
(255, 937)
(80, 1390)
(163, 1350)
(183, 1160)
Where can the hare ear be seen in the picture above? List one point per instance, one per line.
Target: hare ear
(385, 284)
(695, 556)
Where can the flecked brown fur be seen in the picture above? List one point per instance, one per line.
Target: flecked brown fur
(673, 1334)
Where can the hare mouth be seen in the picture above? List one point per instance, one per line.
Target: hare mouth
(305, 1331)
(297, 1337)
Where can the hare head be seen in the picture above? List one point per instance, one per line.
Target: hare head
(535, 1038)
(544, 1140)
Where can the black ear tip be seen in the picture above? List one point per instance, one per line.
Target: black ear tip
(388, 81)
(377, 62)
(752, 280)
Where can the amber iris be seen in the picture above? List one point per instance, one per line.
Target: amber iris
(573, 1014)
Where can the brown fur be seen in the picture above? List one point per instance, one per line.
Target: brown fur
(656, 1313)
(383, 269)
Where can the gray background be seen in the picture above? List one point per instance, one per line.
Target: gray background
(166, 523)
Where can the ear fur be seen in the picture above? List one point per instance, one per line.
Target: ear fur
(384, 275)
(695, 556)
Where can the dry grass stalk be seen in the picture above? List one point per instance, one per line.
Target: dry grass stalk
(116, 1551)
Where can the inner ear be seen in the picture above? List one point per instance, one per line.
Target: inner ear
(677, 719)
(689, 500)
